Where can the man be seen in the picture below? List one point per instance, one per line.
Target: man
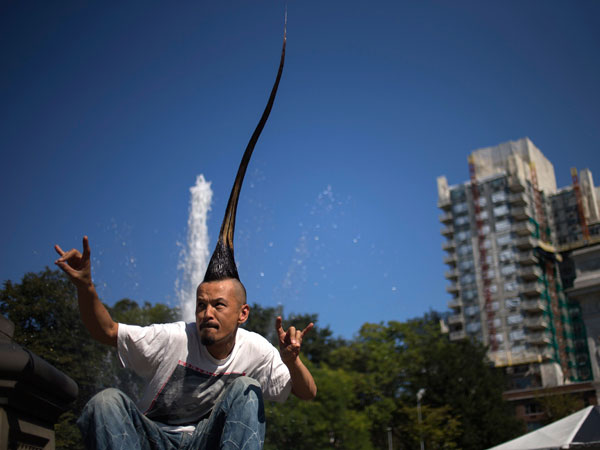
(205, 381)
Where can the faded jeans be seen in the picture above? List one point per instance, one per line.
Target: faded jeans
(110, 420)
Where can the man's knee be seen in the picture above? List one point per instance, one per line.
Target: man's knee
(246, 386)
(107, 400)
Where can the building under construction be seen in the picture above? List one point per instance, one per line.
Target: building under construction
(509, 233)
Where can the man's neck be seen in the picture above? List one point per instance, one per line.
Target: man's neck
(222, 350)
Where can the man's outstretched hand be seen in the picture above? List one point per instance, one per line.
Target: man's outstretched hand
(290, 341)
(76, 265)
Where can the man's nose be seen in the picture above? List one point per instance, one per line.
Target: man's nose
(208, 311)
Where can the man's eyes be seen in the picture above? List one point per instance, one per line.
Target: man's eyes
(218, 305)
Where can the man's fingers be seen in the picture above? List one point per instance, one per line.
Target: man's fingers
(278, 327)
(59, 250)
(66, 268)
(309, 327)
(86, 248)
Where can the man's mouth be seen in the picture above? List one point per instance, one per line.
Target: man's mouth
(208, 325)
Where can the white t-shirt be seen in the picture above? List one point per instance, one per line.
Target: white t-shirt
(184, 380)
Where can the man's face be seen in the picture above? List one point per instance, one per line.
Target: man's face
(220, 308)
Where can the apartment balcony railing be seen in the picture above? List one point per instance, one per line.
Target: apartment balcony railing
(530, 272)
(451, 274)
(536, 323)
(527, 257)
(516, 184)
(449, 245)
(539, 338)
(455, 303)
(526, 243)
(457, 335)
(533, 306)
(448, 231)
(445, 204)
(519, 213)
(518, 199)
(450, 259)
(532, 289)
(457, 318)
(446, 217)
(452, 289)
(523, 228)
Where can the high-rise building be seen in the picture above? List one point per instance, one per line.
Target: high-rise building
(504, 230)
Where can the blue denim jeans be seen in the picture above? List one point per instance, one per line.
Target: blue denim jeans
(110, 420)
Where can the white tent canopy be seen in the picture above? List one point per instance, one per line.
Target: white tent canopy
(580, 430)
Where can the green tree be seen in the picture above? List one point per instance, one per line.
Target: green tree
(317, 345)
(329, 421)
(459, 375)
(556, 407)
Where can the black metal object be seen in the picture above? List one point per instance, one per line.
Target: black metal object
(33, 394)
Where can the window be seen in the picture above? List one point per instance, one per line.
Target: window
(506, 255)
(508, 269)
(473, 327)
(467, 278)
(502, 225)
(510, 286)
(466, 264)
(503, 239)
(465, 249)
(463, 236)
(512, 303)
(517, 335)
(514, 319)
(459, 208)
(499, 337)
(519, 348)
(471, 310)
(500, 211)
(461, 220)
(498, 196)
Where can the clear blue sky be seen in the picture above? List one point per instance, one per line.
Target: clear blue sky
(108, 111)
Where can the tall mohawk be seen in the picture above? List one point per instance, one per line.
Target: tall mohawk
(222, 263)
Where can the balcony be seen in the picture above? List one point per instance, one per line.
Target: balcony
(449, 245)
(519, 213)
(446, 217)
(526, 243)
(451, 274)
(452, 289)
(448, 231)
(533, 306)
(518, 199)
(445, 204)
(450, 259)
(457, 335)
(523, 228)
(455, 303)
(457, 318)
(516, 184)
(530, 272)
(532, 289)
(526, 258)
(536, 323)
(539, 338)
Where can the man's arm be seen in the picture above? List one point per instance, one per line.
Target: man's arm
(303, 384)
(94, 315)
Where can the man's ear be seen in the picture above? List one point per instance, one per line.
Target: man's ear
(244, 311)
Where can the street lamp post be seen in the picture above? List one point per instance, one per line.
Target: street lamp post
(419, 397)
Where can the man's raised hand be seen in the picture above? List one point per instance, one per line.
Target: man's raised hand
(76, 265)
(290, 341)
